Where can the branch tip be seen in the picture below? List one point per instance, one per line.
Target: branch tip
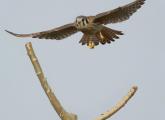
(119, 105)
(28, 45)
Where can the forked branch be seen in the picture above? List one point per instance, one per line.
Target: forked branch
(64, 115)
(53, 100)
(119, 105)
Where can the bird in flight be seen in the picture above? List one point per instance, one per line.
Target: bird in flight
(93, 27)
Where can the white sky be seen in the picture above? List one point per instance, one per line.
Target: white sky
(87, 82)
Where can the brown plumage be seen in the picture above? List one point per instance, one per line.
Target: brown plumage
(91, 26)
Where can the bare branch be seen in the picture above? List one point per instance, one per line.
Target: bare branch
(119, 105)
(53, 100)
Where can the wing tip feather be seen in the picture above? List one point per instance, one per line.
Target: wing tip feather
(11, 32)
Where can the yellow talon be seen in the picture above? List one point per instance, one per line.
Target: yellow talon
(91, 44)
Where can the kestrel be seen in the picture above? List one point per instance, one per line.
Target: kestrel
(93, 27)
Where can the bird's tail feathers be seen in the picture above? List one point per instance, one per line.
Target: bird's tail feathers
(106, 35)
(90, 40)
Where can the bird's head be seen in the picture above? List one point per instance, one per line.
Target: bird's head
(81, 21)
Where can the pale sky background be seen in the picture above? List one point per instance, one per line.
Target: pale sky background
(86, 81)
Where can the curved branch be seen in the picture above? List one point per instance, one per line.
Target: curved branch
(64, 115)
(53, 100)
(119, 105)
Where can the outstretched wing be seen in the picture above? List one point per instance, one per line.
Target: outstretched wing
(56, 33)
(119, 14)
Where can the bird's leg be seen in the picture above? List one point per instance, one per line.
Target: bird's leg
(102, 38)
